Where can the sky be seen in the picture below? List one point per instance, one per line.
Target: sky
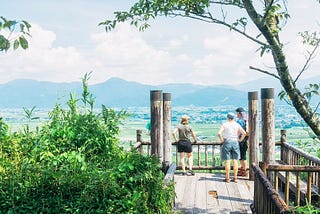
(67, 42)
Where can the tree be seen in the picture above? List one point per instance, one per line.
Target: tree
(11, 35)
(268, 18)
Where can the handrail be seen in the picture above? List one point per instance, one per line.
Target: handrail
(266, 199)
(293, 171)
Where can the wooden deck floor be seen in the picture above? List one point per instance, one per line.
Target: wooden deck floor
(208, 193)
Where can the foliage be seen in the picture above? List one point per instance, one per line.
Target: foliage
(306, 209)
(10, 35)
(73, 164)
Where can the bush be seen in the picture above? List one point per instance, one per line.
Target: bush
(73, 164)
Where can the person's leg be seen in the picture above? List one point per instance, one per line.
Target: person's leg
(243, 167)
(190, 160)
(243, 156)
(227, 169)
(190, 163)
(235, 170)
(182, 161)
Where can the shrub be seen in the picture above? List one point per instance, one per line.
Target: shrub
(73, 164)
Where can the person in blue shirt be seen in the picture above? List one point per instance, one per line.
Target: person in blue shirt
(243, 145)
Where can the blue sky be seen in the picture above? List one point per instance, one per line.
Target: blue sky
(67, 42)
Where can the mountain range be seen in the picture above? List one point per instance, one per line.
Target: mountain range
(117, 92)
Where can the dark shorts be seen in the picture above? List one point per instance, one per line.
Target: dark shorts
(184, 146)
(243, 150)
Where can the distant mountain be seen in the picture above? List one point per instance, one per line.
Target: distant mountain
(117, 92)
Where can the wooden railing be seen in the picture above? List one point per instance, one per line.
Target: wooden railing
(206, 155)
(290, 175)
(266, 198)
(296, 172)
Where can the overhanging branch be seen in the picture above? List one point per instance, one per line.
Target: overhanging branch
(311, 55)
(210, 19)
(265, 72)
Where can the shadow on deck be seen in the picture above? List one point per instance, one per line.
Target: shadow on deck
(208, 193)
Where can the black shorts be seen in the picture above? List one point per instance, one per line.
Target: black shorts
(184, 146)
(243, 150)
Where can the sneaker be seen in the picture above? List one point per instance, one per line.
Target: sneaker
(191, 172)
(242, 173)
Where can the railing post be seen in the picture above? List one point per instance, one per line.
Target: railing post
(283, 139)
(167, 147)
(139, 139)
(156, 123)
(268, 125)
(253, 131)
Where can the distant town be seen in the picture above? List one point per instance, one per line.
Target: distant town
(285, 116)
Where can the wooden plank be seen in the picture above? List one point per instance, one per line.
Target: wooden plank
(245, 195)
(179, 190)
(235, 197)
(192, 194)
(223, 195)
(189, 194)
(200, 201)
(212, 205)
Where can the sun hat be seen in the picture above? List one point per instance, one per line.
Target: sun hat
(230, 115)
(184, 119)
(240, 109)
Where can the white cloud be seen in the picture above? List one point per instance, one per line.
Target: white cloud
(43, 61)
(170, 51)
(125, 54)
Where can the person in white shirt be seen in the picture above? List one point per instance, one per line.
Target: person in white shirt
(229, 135)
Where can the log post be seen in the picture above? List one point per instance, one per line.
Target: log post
(167, 151)
(268, 125)
(139, 139)
(156, 123)
(283, 139)
(253, 131)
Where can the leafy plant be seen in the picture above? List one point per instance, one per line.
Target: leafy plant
(74, 164)
(9, 35)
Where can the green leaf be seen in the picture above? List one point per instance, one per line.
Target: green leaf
(16, 44)
(23, 42)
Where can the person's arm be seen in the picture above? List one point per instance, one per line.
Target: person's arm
(220, 134)
(194, 136)
(174, 134)
(243, 133)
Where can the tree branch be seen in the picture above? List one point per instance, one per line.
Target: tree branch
(265, 72)
(210, 19)
(307, 63)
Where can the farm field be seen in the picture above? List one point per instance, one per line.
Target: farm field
(206, 122)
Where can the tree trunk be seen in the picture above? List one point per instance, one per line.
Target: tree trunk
(298, 100)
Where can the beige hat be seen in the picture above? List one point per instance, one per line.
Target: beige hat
(184, 119)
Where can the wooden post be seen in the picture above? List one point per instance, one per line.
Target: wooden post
(268, 125)
(283, 139)
(139, 139)
(253, 131)
(156, 123)
(167, 151)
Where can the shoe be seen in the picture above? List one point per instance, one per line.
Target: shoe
(240, 170)
(242, 173)
(234, 180)
(227, 180)
(190, 172)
